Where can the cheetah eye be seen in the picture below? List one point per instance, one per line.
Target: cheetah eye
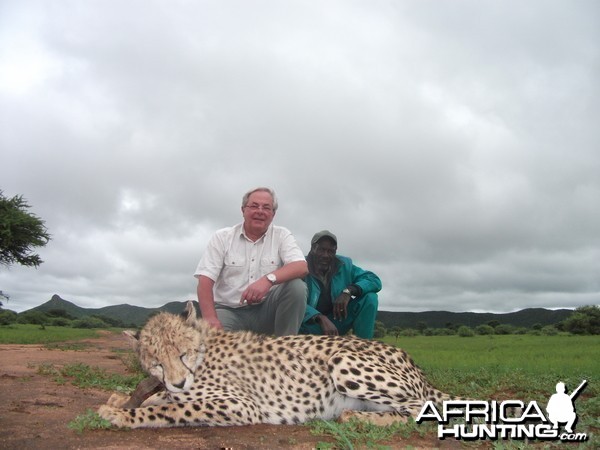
(156, 369)
(188, 359)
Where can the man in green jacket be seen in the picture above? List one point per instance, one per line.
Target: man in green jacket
(341, 296)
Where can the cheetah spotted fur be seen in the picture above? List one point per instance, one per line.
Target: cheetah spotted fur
(218, 378)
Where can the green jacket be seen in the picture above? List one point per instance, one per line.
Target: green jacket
(346, 274)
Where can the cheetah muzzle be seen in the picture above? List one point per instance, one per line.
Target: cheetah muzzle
(218, 378)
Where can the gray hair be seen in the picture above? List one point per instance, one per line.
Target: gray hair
(260, 189)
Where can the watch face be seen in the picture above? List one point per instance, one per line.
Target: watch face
(272, 278)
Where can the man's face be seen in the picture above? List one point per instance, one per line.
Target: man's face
(258, 213)
(324, 252)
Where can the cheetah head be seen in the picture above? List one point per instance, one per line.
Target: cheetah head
(170, 348)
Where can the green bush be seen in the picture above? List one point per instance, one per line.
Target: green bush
(409, 332)
(59, 322)
(89, 322)
(444, 332)
(504, 329)
(32, 317)
(465, 331)
(549, 330)
(484, 329)
(7, 317)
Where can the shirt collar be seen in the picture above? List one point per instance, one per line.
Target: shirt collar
(243, 233)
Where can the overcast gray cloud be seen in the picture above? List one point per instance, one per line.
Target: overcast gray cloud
(451, 146)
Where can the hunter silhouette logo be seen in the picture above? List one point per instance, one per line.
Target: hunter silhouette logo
(509, 419)
(560, 406)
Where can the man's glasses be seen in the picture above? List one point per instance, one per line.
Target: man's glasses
(256, 207)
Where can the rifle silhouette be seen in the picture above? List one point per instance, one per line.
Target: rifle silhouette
(576, 391)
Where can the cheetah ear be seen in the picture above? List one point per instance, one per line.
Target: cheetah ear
(191, 313)
(132, 337)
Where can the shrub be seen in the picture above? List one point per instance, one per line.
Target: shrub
(444, 332)
(504, 329)
(484, 329)
(89, 322)
(380, 330)
(549, 330)
(32, 317)
(59, 322)
(7, 317)
(465, 331)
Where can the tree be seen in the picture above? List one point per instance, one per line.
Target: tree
(396, 331)
(20, 232)
(380, 330)
(7, 317)
(584, 320)
(2, 295)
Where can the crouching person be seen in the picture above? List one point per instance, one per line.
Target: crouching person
(341, 296)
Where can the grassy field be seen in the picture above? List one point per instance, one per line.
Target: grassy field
(477, 365)
(34, 334)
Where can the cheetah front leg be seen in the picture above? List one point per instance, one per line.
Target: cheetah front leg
(213, 412)
(149, 391)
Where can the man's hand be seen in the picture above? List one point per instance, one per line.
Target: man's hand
(215, 323)
(255, 292)
(327, 325)
(340, 306)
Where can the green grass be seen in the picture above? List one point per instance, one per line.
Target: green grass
(356, 433)
(568, 354)
(34, 334)
(89, 421)
(511, 364)
(84, 376)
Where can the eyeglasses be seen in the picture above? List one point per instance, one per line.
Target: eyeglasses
(256, 207)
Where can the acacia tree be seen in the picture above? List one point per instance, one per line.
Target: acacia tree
(20, 232)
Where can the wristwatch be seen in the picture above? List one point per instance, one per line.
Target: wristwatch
(272, 278)
(347, 291)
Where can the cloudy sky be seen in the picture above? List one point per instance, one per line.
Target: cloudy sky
(453, 147)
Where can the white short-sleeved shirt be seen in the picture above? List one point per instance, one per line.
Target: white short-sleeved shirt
(233, 261)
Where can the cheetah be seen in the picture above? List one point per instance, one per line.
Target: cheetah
(220, 378)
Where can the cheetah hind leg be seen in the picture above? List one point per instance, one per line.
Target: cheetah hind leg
(395, 385)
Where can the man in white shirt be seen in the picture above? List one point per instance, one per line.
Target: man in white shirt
(250, 276)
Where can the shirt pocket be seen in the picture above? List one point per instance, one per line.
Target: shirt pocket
(234, 271)
(269, 264)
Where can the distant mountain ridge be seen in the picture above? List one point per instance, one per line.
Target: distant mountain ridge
(440, 319)
(129, 314)
(138, 315)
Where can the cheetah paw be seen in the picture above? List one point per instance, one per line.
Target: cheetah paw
(117, 400)
(113, 415)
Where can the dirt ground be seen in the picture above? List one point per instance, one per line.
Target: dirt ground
(35, 410)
